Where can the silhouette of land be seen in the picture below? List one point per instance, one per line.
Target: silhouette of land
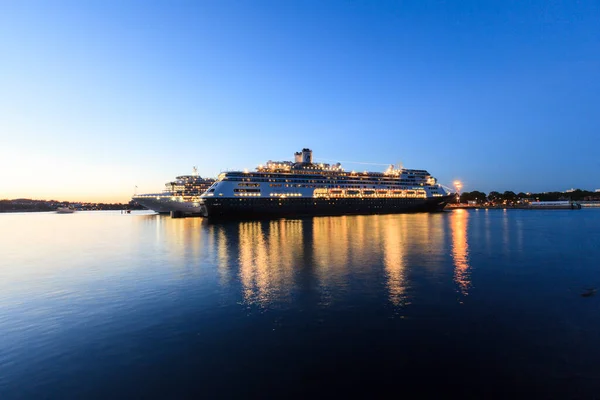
(30, 205)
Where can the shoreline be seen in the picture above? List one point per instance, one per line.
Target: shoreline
(518, 207)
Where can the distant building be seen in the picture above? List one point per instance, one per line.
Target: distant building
(570, 190)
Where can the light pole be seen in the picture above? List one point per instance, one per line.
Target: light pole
(457, 186)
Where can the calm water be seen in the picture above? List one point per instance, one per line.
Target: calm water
(481, 303)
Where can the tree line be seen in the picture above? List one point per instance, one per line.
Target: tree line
(30, 205)
(512, 197)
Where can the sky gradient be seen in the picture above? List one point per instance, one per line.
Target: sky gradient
(97, 97)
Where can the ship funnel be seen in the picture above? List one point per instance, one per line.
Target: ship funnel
(298, 157)
(307, 156)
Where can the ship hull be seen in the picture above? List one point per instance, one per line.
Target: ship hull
(159, 205)
(165, 204)
(255, 208)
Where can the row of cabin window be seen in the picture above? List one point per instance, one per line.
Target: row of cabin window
(334, 175)
(321, 186)
(343, 182)
(336, 186)
(330, 201)
(316, 179)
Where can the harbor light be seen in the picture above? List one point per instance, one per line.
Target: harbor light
(457, 186)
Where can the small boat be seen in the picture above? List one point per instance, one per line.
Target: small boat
(65, 210)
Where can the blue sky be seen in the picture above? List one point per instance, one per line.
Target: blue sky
(99, 96)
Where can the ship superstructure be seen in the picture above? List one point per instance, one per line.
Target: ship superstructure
(303, 187)
(182, 194)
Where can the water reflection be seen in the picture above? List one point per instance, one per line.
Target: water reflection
(394, 245)
(276, 258)
(272, 260)
(331, 251)
(223, 269)
(88, 298)
(269, 251)
(505, 231)
(460, 249)
(266, 263)
(181, 243)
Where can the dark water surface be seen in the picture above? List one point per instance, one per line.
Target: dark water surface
(476, 303)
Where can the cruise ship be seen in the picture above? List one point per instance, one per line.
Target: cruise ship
(181, 195)
(306, 188)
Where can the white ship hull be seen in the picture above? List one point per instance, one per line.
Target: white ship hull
(165, 204)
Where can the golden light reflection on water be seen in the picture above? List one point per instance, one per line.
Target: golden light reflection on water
(353, 247)
(460, 249)
(330, 247)
(222, 254)
(268, 254)
(394, 245)
(273, 256)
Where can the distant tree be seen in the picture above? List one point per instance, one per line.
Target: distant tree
(465, 197)
(475, 195)
(509, 196)
(548, 196)
(479, 197)
(579, 194)
(494, 196)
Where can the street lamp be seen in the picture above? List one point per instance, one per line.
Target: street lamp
(457, 187)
